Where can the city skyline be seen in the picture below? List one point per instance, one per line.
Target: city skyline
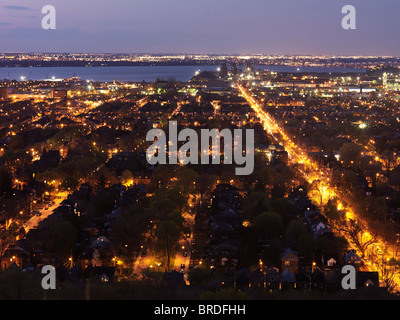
(233, 27)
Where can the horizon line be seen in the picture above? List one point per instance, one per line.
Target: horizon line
(207, 54)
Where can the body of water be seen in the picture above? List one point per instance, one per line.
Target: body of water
(137, 73)
(106, 74)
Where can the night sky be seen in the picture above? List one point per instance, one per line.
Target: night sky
(202, 26)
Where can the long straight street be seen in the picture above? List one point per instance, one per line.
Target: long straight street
(312, 171)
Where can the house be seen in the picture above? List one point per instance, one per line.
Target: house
(141, 178)
(353, 259)
(318, 226)
(315, 220)
(104, 274)
(221, 253)
(101, 241)
(14, 266)
(14, 255)
(288, 280)
(367, 279)
(289, 261)
(331, 263)
(104, 278)
(272, 279)
(100, 274)
(323, 232)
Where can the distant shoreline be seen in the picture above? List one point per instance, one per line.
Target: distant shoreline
(150, 73)
(360, 63)
(67, 64)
